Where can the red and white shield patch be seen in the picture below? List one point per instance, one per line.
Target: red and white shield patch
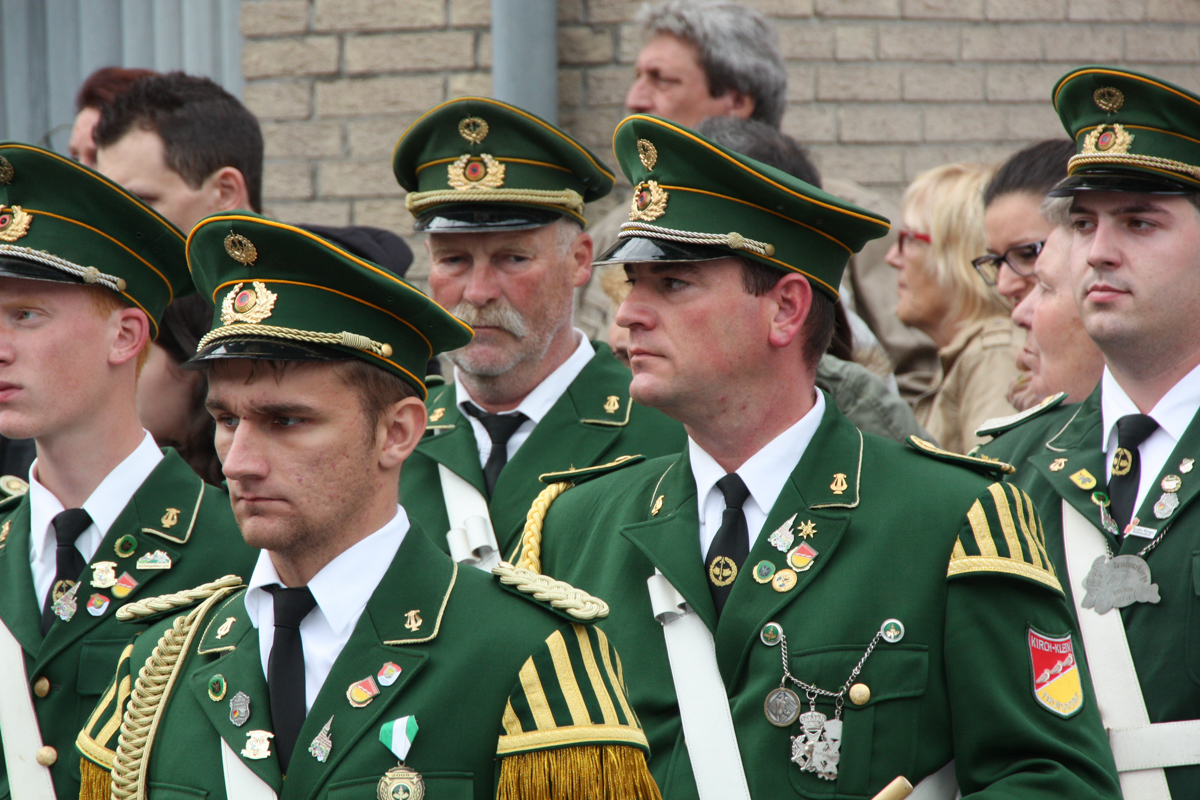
(1056, 683)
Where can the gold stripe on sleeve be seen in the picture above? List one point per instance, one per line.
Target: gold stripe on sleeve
(1007, 526)
(535, 695)
(607, 708)
(981, 529)
(566, 679)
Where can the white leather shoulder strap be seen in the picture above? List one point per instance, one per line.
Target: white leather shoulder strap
(703, 704)
(19, 730)
(240, 780)
(471, 537)
(1114, 677)
(940, 785)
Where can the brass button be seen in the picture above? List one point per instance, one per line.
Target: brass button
(41, 687)
(47, 755)
(860, 693)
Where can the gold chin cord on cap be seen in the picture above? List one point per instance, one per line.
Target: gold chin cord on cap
(732, 240)
(343, 339)
(89, 275)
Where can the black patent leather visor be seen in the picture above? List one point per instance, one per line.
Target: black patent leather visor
(11, 267)
(1118, 181)
(264, 350)
(484, 219)
(634, 249)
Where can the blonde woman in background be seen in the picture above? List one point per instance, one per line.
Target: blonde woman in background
(942, 296)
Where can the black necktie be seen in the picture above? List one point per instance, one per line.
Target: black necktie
(285, 668)
(731, 545)
(1132, 430)
(500, 427)
(69, 562)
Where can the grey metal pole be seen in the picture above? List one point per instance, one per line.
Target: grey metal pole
(525, 55)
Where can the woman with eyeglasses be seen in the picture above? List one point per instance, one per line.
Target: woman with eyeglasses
(941, 295)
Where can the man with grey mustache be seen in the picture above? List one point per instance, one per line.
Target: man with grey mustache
(500, 194)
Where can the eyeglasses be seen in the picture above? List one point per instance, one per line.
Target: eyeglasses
(1020, 260)
(903, 234)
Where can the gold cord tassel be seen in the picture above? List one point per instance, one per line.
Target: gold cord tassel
(96, 782)
(584, 772)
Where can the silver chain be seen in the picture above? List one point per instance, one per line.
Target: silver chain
(813, 692)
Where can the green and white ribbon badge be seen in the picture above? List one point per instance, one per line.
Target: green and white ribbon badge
(398, 735)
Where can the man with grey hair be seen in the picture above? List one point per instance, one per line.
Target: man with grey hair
(709, 58)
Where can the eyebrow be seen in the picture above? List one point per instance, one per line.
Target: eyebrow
(1134, 208)
(266, 409)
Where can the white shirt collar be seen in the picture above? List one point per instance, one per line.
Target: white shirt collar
(765, 473)
(1173, 412)
(543, 397)
(344, 585)
(104, 505)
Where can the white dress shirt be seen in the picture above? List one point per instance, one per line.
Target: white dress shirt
(1173, 413)
(535, 405)
(104, 506)
(764, 474)
(341, 589)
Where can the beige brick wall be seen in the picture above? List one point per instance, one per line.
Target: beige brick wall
(879, 89)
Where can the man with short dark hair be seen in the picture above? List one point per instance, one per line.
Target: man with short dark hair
(356, 659)
(801, 592)
(184, 145)
(86, 272)
(1111, 476)
(501, 194)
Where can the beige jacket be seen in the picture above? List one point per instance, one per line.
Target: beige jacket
(972, 384)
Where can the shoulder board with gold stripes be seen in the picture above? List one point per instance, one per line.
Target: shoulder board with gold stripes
(578, 476)
(991, 467)
(576, 604)
(1004, 536)
(998, 425)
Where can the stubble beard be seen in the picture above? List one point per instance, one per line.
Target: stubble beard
(492, 376)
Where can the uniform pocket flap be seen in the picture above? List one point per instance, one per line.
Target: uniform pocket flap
(891, 671)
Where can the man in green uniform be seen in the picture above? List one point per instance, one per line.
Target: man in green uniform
(1111, 476)
(817, 610)
(501, 194)
(86, 271)
(351, 660)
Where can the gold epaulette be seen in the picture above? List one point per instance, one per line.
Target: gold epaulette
(1004, 536)
(557, 594)
(12, 486)
(992, 467)
(154, 684)
(578, 476)
(153, 606)
(998, 425)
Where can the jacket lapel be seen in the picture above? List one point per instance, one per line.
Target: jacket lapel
(670, 538)
(160, 516)
(240, 667)
(381, 636)
(453, 442)
(1073, 462)
(1188, 447)
(835, 449)
(18, 607)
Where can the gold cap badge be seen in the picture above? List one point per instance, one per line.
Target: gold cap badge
(649, 201)
(1109, 98)
(14, 223)
(647, 153)
(247, 306)
(6, 171)
(473, 129)
(1109, 140)
(240, 249)
(469, 172)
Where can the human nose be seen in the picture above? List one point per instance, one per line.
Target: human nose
(639, 98)
(1102, 249)
(243, 456)
(894, 258)
(1022, 314)
(482, 284)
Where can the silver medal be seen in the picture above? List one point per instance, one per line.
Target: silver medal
(1118, 582)
(1166, 505)
(782, 706)
(818, 747)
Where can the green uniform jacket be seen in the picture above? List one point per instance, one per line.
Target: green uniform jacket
(593, 422)
(959, 685)
(479, 655)
(1164, 638)
(78, 657)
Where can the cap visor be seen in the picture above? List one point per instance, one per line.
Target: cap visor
(1119, 181)
(634, 249)
(12, 267)
(263, 349)
(465, 219)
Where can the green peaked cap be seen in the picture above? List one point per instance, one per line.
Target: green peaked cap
(282, 293)
(480, 164)
(694, 200)
(63, 222)
(1132, 132)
